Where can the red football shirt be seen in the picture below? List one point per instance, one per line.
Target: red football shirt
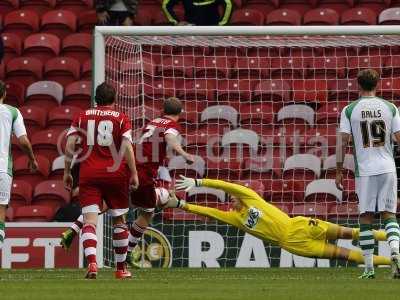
(151, 149)
(101, 130)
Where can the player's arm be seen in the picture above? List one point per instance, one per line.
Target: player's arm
(129, 155)
(396, 124)
(172, 141)
(69, 154)
(342, 141)
(23, 141)
(237, 190)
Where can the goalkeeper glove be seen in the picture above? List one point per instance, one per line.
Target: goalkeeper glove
(174, 201)
(186, 183)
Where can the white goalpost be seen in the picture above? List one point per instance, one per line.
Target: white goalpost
(261, 107)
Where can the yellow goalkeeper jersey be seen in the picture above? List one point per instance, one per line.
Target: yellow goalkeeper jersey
(257, 216)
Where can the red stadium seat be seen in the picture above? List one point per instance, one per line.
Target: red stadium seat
(178, 166)
(160, 89)
(59, 22)
(310, 90)
(343, 90)
(87, 70)
(278, 190)
(247, 16)
(8, 5)
(305, 167)
(251, 67)
(391, 66)
(358, 16)
(22, 171)
(223, 168)
(33, 213)
(145, 65)
(354, 64)
(146, 14)
(42, 46)
(256, 113)
(21, 22)
(288, 67)
(345, 210)
(321, 141)
(283, 17)
(61, 117)
(234, 90)
(78, 94)
(39, 6)
(35, 118)
(25, 70)
(390, 16)
(327, 67)
(389, 88)
(323, 190)
(51, 193)
(12, 46)
(87, 20)
(15, 93)
(329, 113)
(321, 16)
(176, 66)
(261, 168)
(329, 167)
(338, 5)
(75, 5)
(21, 193)
(220, 114)
(313, 210)
(47, 94)
(78, 46)
(205, 141)
(272, 90)
(63, 70)
(48, 143)
(300, 6)
(213, 67)
(264, 8)
(296, 114)
(199, 89)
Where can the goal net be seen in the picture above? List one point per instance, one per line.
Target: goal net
(261, 107)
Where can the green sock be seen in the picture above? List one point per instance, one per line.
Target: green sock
(393, 234)
(2, 232)
(367, 244)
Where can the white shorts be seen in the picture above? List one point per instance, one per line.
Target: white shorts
(377, 193)
(112, 212)
(5, 188)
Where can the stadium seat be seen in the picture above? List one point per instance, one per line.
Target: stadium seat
(391, 66)
(358, 16)
(21, 22)
(288, 67)
(213, 67)
(35, 118)
(22, 171)
(326, 67)
(313, 210)
(41, 46)
(25, 70)
(256, 113)
(310, 90)
(33, 213)
(354, 64)
(281, 17)
(349, 193)
(281, 190)
(344, 210)
(329, 166)
(296, 113)
(176, 66)
(390, 16)
(329, 113)
(323, 190)
(87, 70)
(160, 89)
(272, 90)
(199, 89)
(48, 143)
(233, 91)
(321, 16)
(59, 22)
(8, 5)
(47, 94)
(338, 5)
(61, 117)
(51, 193)
(251, 68)
(303, 167)
(389, 88)
(261, 168)
(21, 193)
(15, 93)
(223, 168)
(38, 6)
(87, 20)
(78, 94)
(343, 90)
(75, 5)
(245, 16)
(77, 46)
(147, 66)
(204, 141)
(321, 140)
(63, 70)
(57, 168)
(146, 14)
(216, 114)
(240, 143)
(12, 46)
(178, 166)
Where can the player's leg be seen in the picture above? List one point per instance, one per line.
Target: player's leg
(387, 205)
(5, 192)
(336, 231)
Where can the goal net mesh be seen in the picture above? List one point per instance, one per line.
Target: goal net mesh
(259, 110)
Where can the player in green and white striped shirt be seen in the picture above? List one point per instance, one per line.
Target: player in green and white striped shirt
(371, 122)
(11, 122)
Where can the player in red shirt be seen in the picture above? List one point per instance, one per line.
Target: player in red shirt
(107, 169)
(151, 152)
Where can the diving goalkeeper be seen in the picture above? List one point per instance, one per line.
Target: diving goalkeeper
(299, 235)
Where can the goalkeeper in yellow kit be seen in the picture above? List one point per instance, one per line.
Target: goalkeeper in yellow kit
(299, 235)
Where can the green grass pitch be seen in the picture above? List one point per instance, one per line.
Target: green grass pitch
(202, 284)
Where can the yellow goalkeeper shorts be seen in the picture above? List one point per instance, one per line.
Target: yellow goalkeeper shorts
(306, 237)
